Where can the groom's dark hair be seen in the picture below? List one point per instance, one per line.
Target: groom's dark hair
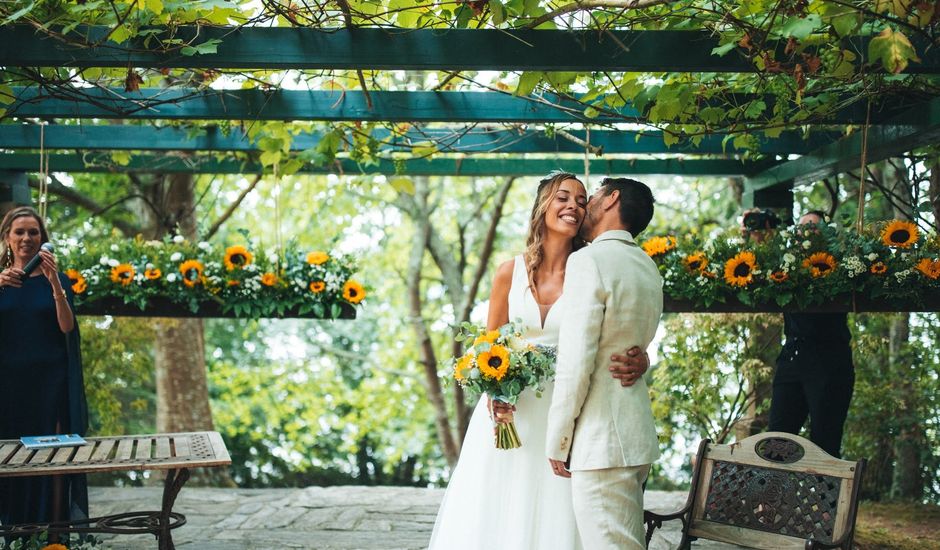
(636, 202)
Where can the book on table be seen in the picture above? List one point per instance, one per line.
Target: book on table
(50, 441)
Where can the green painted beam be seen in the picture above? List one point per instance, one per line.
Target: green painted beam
(437, 166)
(452, 140)
(398, 106)
(915, 128)
(406, 49)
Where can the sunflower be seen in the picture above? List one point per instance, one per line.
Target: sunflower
(353, 291)
(779, 276)
(269, 279)
(696, 262)
(237, 257)
(739, 270)
(463, 366)
(659, 245)
(489, 337)
(79, 285)
(900, 234)
(878, 268)
(930, 268)
(232, 283)
(122, 273)
(820, 264)
(494, 363)
(192, 272)
(317, 258)
(152, 274)
(54, 547)
(317, 287)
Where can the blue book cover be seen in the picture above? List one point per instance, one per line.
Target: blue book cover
(49, 441)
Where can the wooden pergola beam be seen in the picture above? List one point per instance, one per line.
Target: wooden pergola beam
(283, 48)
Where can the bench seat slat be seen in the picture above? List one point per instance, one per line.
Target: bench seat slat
(181, 446)
(125, 449)
(144, 449)
(163, 447)
(7, 450)
(84, 452)
(41, 456)
(62, 455)
(103, 451)
(22, 456)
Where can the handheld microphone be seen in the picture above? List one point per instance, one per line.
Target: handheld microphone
(37, 259)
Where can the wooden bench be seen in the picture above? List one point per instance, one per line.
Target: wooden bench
(174, 452)
(772, 490)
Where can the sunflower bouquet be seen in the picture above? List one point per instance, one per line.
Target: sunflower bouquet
(501, 364)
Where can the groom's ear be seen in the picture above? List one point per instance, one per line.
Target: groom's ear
(611, 200)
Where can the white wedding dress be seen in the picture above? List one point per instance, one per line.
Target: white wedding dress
(510, 499)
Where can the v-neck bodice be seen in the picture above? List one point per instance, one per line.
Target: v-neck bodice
(522, 305)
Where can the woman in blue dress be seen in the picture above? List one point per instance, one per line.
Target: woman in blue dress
(41, 388)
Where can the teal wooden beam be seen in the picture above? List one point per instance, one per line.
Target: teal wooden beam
(437, 166)
(452, 140)
(402, 49)
(915, 128)
(398, 106)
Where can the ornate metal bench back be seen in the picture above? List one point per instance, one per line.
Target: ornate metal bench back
(779, 487)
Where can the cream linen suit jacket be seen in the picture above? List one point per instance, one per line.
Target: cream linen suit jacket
(612, 300)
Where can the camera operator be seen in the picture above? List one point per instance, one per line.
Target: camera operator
(814, 375)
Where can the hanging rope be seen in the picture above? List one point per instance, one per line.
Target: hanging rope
(277, 218)
(43, 172)
(860, 216)
(587, 161)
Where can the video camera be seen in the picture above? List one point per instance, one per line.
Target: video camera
(760, 220)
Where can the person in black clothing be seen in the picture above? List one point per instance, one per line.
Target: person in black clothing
(41, 391)
(815, 376)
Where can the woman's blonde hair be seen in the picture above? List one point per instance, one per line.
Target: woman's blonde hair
(543, 197)
(6, 255)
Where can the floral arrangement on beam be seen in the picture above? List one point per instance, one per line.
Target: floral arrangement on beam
(237, 279)
(801, 266)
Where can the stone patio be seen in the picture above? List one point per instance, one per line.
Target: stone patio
(331, 518)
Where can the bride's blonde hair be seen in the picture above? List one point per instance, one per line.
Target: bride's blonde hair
(543, 197)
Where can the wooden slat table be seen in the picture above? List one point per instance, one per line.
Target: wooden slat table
(174, 452)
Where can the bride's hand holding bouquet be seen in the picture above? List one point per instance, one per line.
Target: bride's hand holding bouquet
(501, 364)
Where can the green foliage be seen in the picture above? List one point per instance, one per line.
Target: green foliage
(710, 366)
(117, 358)
(38, 542)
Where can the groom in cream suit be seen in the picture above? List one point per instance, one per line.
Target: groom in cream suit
(599, 434)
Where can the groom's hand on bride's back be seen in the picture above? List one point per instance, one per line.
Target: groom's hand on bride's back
(629, 366)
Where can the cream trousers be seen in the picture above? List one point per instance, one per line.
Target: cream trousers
(608, 507)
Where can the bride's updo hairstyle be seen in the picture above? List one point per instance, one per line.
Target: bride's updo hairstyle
(533, 246)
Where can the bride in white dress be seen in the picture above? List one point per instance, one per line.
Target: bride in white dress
(510, 499)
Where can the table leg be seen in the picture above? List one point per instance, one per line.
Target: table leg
(175, 479)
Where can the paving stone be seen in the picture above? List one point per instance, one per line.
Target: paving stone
(322, 518)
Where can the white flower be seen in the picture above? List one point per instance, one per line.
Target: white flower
(171, 278)
(149, 266)
(113, 263)
(176, 256)
(114, 248)
(104, 260)
(872, 257)
(516, 343)
(474, 373)
(179, 239)
(806, 245)
(789, 258)
(203, 245)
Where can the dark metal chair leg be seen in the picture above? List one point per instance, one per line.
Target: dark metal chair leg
(175, 479)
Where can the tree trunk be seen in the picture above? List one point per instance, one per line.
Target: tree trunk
(425, 346)
(908, 483)
(179, 347)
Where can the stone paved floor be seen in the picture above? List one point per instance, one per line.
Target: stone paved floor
(332, 518)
